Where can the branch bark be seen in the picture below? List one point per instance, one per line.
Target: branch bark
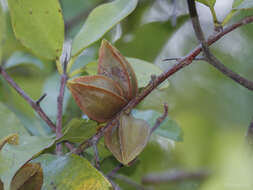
(30, 101)
(181, 63)
(209, 57)
(160, 119)
(64, 78)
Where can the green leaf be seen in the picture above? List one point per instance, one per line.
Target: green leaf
(101, 20)
(2, 31)
(103, 151)
(13, 157)
(51, 87)
(209, 3)
(143, 44)
(39, 26)
(91, 68)
(144, 70)
(71, 172)
(20, 58)
(246, 4)
(236, 3)
(168, 129)
(79, 130)
(155, 100)
(9, 119)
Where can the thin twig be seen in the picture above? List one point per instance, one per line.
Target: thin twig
(160, 119)
(215, 62)
(210, 58)
(28, 99)
(64, 77)
(201, 58)
(34, 104)
(174, 176)
(129, 181)
(114, 171)
(41, 99)
(183, 62)
(96, 155)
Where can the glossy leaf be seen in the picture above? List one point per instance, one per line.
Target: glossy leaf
(39, 26)
(246, 4)
(236, 3)
(9, 119)
(168, 129)
(98, 103)
(113, 65)
(20, 58)
(2, 31)
(13, 157)
(71, 172)
(144, 70)
(30, 175)
(79, 130)
(209, 3)
(101, 20)
(128, 139)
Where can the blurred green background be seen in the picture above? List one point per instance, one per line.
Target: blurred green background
(212, 110)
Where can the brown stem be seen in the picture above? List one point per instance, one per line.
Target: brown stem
(64, 79)
(96, 155)
(34, 104)
(29, 100)
(114, 171)
(209, 57)
(174, 176)
(60, 98)
(160, 119)
(41, 99)
(187, 60)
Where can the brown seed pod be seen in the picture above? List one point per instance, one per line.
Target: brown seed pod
(97, 97)
(128, 139)
(113, 65)
(100, 81)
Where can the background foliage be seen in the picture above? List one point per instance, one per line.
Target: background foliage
(212, 111)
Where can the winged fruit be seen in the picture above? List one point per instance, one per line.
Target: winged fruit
(103, 95)
(128, 139)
